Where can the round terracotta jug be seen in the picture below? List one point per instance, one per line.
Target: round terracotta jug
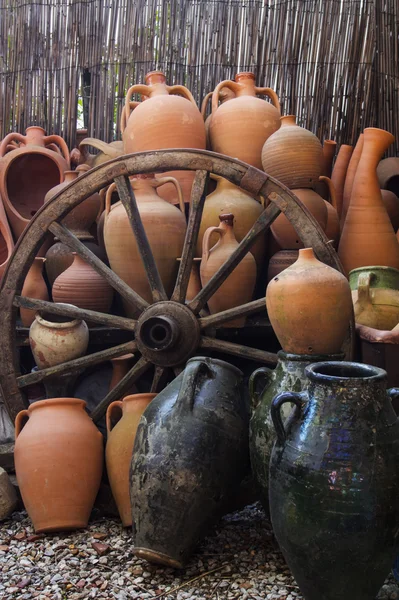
(388, 174)
(165, 226)
(238, 288)
(309, 306)
(391, 203)
(375, 295)
(229, 198)
(60, 256)
(339, 174)
(53, 340)
(240, 127)
(194, 283)
(281, 261)
(224, 95)
(118, 452)
(34, 287)
(368, 237)
(169, 118)
(333, 229)
(350, 177)
(58, 463)
(28, 172)
(293, 155)
(82, 286)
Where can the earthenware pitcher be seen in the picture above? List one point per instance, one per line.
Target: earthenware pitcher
(334, 481)
(190, 454)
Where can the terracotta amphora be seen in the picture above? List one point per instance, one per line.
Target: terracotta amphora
(169, 118)
(28, 172)
(327, 157)
(391, 203)
(224, 95)
(82, 286)
(333, 229)
(240, 127)
(338, 175)
(54, 340)
(165, 226)
(334, 481)
(350, 177)
(293, 155)
(118, 452)
(194, 283)
(60, 256)
(107, 151)
(58, 463)
(6, 240)
(281, 261)
(310, 306)
(239, 286)
(34, 287)
(368, 237)
(229, 198)
(375, 295)
(388, 174)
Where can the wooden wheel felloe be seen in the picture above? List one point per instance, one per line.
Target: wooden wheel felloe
(168, 331)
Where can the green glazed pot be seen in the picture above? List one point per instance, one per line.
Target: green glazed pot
(380, 277)
(375, 296)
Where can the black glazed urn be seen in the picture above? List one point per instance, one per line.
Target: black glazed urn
(189, 457)
(334, 482)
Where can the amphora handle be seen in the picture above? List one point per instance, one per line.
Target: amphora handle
(363, 290)
(116, 403)
(17, 137)
(20, 421)
(157, 182)
(56, 139)
(266, 91)
(262, 373)
(189, 385)
(227, 83)
(206, 239)
(275, 412)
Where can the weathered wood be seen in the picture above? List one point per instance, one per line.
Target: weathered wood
(228, 315)
(246, 352)
(99, 336)
(159, 374)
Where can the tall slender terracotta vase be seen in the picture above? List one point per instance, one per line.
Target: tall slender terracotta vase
(338, 175)
(34, 287)
(120, 367)
(327, 157)
(332, 229)
(368, 237)
(350, 177)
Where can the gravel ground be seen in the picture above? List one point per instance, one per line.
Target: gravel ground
(240, 561)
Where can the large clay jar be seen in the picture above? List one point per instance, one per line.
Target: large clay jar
(350, 177)
(189, 457)
(239, 286)
(224, 95)
(118, 452)
(334, 482)
(288, 376)
(6, 240)
(281, 261)
(293, 155)
(375, 295)
(28, 172)
(229, 198)
(327, 158)
(338, 175)
(368, 237)
(58, 463)
(82, 286)
(169, 118)
(391, 203)
(165, 226)
(57, 341)
(34, 287)
(60, 256)
(240, 127)
(388, 174)
(309, 306)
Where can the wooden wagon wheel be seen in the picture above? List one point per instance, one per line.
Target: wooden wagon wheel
(178, 328)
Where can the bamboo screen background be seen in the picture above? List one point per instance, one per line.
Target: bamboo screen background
(333, 63)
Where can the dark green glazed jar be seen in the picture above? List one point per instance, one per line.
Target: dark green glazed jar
(334, 482)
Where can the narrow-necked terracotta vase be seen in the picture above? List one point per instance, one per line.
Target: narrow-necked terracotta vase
(338, 175)
(34, 287)
(350, 177)
(333, 229)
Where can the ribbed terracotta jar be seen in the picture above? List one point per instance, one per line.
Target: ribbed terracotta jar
(293, 155)
(368, 237)
(118, 452)
(60, 256)
(309, 306)
(240, 127)
(339, 173)
(169, 118)
(238, 288)
(58, 463)
(82, 286)
(34, 287)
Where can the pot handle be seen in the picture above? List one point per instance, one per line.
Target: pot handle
(123, 122)
(108, 197)
(100, 145)
(363, 289)
(263, 372)
(393, 393)
(163, 180)
(19, 421)
(275, 412)
(206, 239)
(227, 83)
(270, 94)
(180, 90)
(56, 139)
(110, 409)
(331, 190)
(139, 88)
(186, 398)
(11, 136)
(205, 104)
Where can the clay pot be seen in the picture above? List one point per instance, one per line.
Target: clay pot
(224, 95)
(309, 306)
(169, 118)
(327, 158)
(281, 261)
(388, 174)
(157, 216)
(60, 256)
(375, 295)
(285, 234)
(293, 155)
(238, 288)
(189, 457)
(118, 452)
(229, 198)
(34, 287)
(333, 229)
(334, 482)
(28, 172)
(58, 463)
(56, 341)
(6, 241)
(350, 177)
(391, 203)
(240, 127)
(194, 283)
(380, 348)
(82, 286)
(107, 151)
(121, 365)
(368, 237)
(339, 174)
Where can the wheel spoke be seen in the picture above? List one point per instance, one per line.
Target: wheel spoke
(124, 384)
(264, 221)
(63, 234)
(76, 364)
(129, 201)
(197, 201)
(68, 310)
(238, 350)
(158, 375)
(232, 313)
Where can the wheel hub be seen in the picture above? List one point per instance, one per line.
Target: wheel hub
(167, 333)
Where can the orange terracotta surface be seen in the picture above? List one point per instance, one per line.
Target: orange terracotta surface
(333, 229)
(327, 157)
(34, 287)
(6, 240)
(350, 177)
(338, 175)
(281, 261)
